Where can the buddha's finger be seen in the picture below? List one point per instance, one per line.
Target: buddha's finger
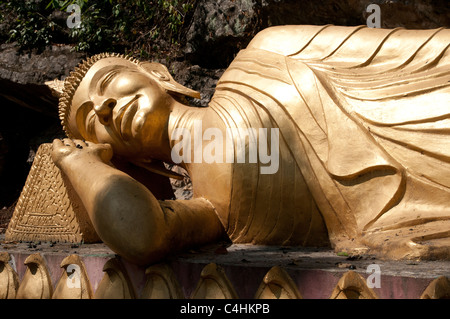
(57, 143)
(69, 142)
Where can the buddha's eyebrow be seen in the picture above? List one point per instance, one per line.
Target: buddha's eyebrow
(107, 79)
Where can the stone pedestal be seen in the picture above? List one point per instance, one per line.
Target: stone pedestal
(239, 271)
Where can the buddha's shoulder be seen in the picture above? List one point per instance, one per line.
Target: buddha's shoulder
(289, 40)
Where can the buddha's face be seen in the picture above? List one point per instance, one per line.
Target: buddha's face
(120, 103)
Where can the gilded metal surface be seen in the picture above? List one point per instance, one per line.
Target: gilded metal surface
(74, 282)
(9, 280)
(36, 283)
(161, 283)
(115, 283)
(363, 148)
(214, 284)
(439, 288)
(277, 284)
(352, 286)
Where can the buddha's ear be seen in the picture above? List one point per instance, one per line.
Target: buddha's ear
(79, 131)
(160, 73)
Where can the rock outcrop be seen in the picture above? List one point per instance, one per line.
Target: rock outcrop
(219, 29)
(29, 113)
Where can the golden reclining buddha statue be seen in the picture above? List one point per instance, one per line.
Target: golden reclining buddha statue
(359, 123)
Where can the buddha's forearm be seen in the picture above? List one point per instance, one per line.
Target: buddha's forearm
(192, 222)
(132, 221)
(88, 178)
(125, 214)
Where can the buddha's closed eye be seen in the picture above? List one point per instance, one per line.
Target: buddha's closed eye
(106, 80)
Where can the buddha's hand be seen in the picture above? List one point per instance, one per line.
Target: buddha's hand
(68, 150)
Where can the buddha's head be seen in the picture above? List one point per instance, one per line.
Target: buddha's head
(111, 98)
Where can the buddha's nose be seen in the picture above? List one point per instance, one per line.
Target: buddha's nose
(104, 110)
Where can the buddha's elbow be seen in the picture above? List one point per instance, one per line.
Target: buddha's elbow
(130, 221)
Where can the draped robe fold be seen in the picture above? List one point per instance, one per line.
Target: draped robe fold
(364, 120)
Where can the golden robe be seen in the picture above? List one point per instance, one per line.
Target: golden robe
(364, 116)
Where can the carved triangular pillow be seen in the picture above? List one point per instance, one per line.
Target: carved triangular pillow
(48, 208)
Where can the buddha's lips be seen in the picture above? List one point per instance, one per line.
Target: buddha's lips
(127, 120)
(124, 117)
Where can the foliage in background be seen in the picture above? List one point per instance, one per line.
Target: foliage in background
(28, 23)
(137, 27)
